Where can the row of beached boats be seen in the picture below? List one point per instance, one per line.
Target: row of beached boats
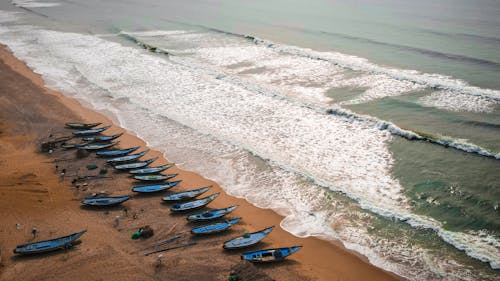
(185, 201)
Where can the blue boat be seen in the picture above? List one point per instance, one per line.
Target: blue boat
(48, 245)
(102, 138)
(214, 228)
(104, 201)
(247, 240)
(270, 255)
(127, 158)
(192, 205)
(211, 215)
(81, 126)
(159, 177)
(73, 145)
(90, 132)
(186, 195)
(135, 165)
(155, 187)
(98, 146)
(117, 152)
(151, 170)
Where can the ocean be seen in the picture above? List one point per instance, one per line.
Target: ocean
(373, 122)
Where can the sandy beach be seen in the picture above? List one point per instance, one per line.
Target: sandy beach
(32, 194)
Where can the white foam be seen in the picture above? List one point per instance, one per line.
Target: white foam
(361, 64)
(228, 121)
(290, 68)
(34, 4)
(458, 102)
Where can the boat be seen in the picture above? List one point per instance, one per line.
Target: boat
(211, 215)
(186, 195)
(135, 165)
(192, 205)
(270, 255)
(214, 228)
(117, 152)
(127, 158)
(48, 245)
(247, 240)
(81, 126)
(151, 170)
(91, 132)
(102, 138)
(155, 187)
(159, 177)
(104, 201)
(73, 145)
(98, 146)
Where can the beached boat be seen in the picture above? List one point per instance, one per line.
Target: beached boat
(104, 201)
(98, 146)
(73, 145)
(270, 255)
(127, 158)
(151, 170)
(248, 239)
(192, 205)
(82, 126)
(160, 177)
(214, 228)
(155, 187)
(117, 152)
(186, 195)
(211, 215)
(90, 132)
(48, 245)
(102, 138)
(135, 165)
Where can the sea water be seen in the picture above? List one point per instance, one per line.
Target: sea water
(375, 122)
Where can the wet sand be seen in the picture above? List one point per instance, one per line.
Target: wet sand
(32, 194)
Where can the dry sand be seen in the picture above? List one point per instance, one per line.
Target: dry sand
(32, 194)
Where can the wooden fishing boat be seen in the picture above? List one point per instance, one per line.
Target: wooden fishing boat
(104, 201)
(159, 177)
(151, 170)
(214, 228)
(135, 165)
(90, 132)
(73, 145)
(192, 205)
(127, 158)
(48, 245)
(211, 215)
(81, 126)
(247, 240)
(117, 152)
(98, 146)
(270, 255)
(155, 187)
(186, 195)
(102, 138)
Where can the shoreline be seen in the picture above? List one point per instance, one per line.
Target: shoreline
(318, 260)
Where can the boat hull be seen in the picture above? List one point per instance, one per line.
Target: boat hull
(48, 245)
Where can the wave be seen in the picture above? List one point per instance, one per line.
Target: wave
(146, 46)
(340, 112)
(436, 81)
(412, 135)
(422, 51)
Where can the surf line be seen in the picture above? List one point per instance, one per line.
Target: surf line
(411, 135)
